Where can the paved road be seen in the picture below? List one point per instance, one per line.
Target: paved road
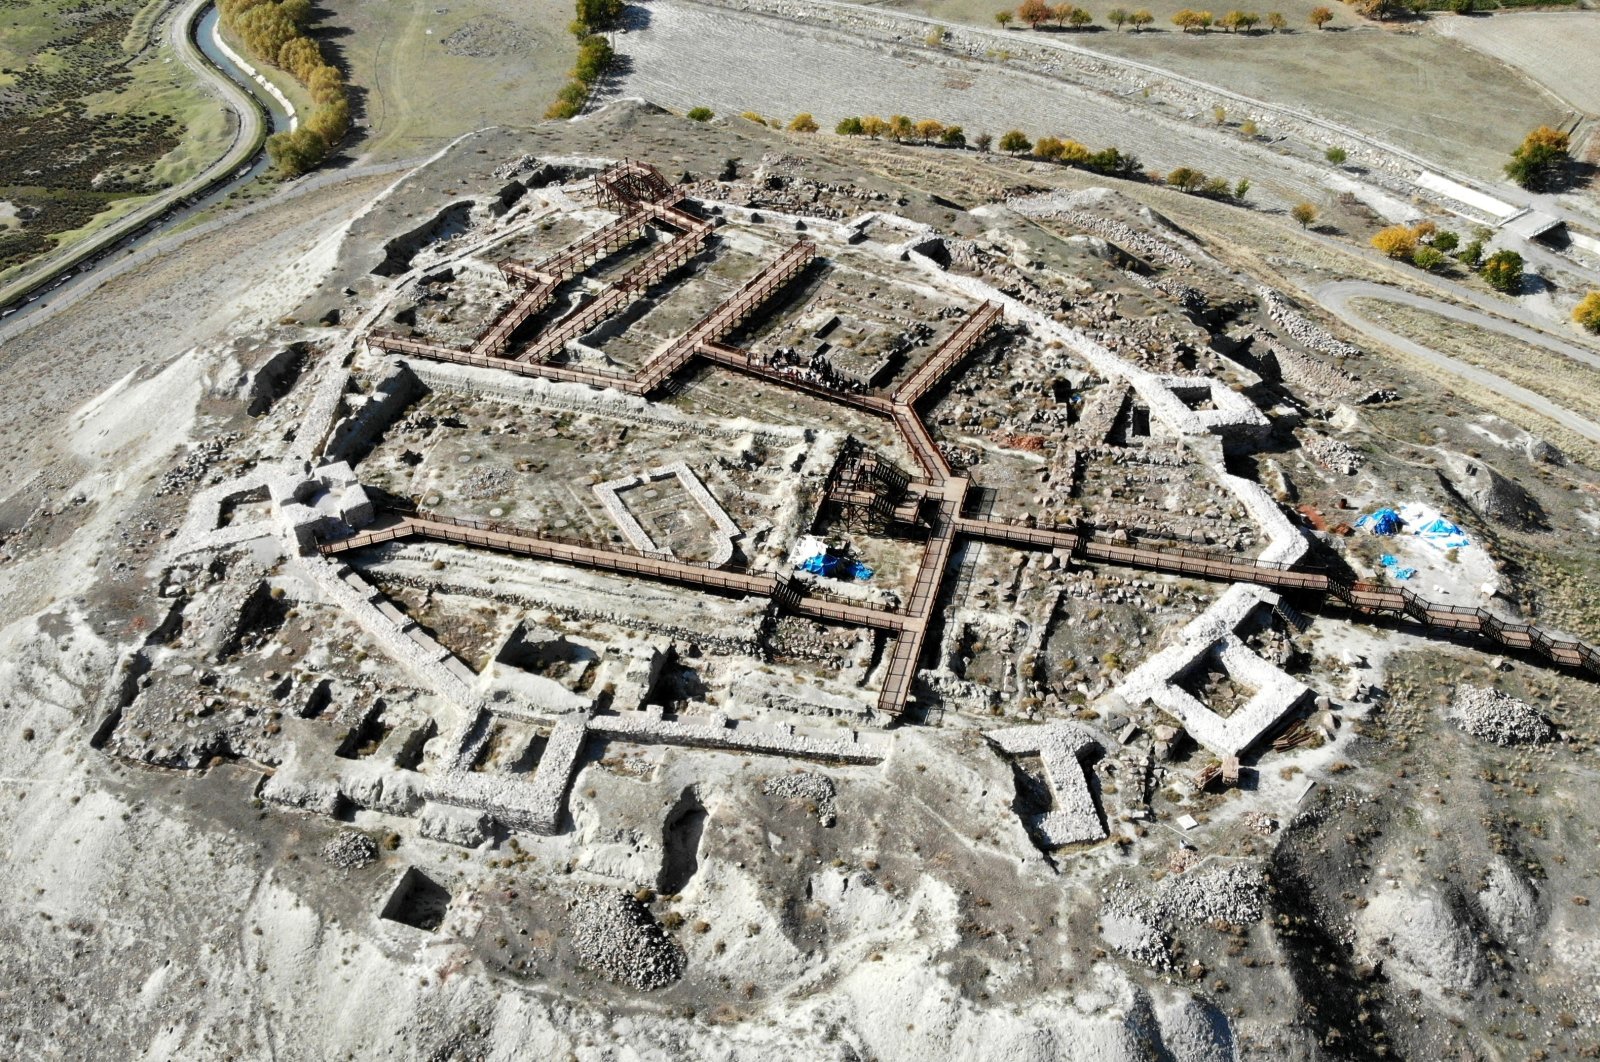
(246, 141)
(1336, 298)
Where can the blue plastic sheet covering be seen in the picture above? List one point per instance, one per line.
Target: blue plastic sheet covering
(1382, 522)
(1388, 560)
(836, 567)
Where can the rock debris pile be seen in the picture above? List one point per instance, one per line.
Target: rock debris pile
(1333, 455)
(351, 851)
(613, 935)
(1491, 715)
(815, 790)
(1233, 894)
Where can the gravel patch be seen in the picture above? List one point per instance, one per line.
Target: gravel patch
(815, 790)
(351, 851)
(1492, 716)
(615, 936)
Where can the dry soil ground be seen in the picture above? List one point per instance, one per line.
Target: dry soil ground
(1395, 83)
(1557, 49)
(425, 73)
(691, 55)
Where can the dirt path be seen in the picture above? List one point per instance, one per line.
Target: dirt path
(1337, 298)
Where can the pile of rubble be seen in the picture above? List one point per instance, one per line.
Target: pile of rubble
(191, 471)
(1491, 715)
(613, 935)
(1234, 894)
(1332, 455)
(1068, 206)
(815, 790)
(1301, 328)
(351, 851)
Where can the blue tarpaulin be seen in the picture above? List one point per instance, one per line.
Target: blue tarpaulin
(836, 567)
(1382, 522)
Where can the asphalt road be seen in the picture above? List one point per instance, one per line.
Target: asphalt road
(250, 131)
(1336, 298)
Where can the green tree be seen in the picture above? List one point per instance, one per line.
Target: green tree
(953, 137)
(1241, 189)
(1014, 142)
(1445, 241)
(1080, 19)
(848, 127)
(1503, 271)
(1186, 179)
(296, 153)
(1003, 17)
(1118, 17)
(1140, 19)
(1304, 213)
(1587, 312)
(1276, 22)
(1541, 160)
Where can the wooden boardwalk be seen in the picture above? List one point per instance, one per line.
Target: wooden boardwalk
(643, 196)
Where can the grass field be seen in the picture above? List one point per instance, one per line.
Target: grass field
(424, 73)
(1402, 83)
(99, 116)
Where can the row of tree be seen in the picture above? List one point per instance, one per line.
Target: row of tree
(274, 31)
(1429, 247)
(1191, 21)
(896, 127)
(1037, 13)
(594, 55)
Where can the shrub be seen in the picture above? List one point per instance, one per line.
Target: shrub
(1587, 312)
(1396, 241)
(1445, 241)
(1426, 257)
(1336, 155)
(700, 114)
(1503, 271)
